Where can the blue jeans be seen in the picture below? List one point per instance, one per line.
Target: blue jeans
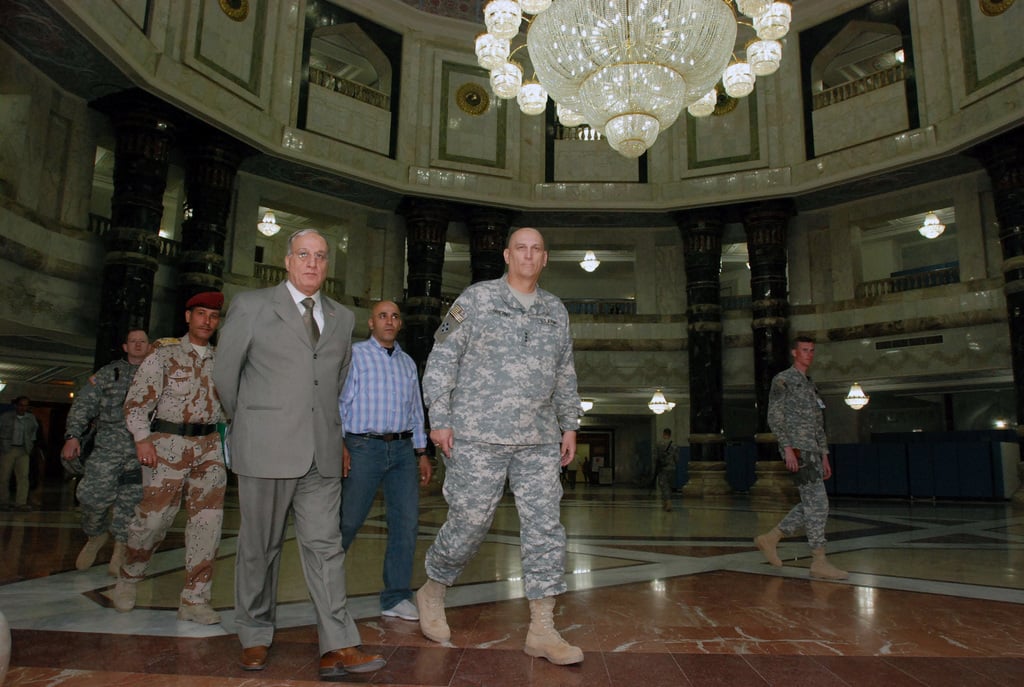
(393, 464)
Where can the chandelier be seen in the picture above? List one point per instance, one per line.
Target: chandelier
(269, 225)
(590, 261)
(857, 399)
(627, 68)
(658, 403)
(932, 227)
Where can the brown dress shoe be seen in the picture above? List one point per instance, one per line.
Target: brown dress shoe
(254, 657)
(334, 665)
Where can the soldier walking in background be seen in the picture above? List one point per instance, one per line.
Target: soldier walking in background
(665, 469)
(172, 411)
(113, 478)
(796, 414)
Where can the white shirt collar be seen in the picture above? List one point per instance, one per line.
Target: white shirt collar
(297, 295)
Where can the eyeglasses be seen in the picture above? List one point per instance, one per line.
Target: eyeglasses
(305, 255)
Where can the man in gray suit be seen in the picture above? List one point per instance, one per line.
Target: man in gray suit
(282, 360)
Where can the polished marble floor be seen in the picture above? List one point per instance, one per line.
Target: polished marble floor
(935, 597)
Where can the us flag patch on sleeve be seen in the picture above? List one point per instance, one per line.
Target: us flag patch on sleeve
(456, 314)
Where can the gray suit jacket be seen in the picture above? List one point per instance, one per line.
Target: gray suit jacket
(280, 393)
(31, 428)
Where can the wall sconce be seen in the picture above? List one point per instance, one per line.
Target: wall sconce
(269, 225)
(857, 399)
(590, 261)
(932, 227)
(586, 405)
(658, 404)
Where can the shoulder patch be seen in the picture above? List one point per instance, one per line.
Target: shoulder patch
(455, 317)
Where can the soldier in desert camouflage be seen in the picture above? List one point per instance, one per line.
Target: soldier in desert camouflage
(500, 385)
(172, 411)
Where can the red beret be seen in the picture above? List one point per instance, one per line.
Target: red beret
(214, 300)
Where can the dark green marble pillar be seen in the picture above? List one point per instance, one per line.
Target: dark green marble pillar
(1003, 157)
(488, 230)
(211, 165)
(701, 232)
(426, 224)
(765, 224)
(145, 132)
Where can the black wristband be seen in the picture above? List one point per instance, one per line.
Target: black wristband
(421, 452)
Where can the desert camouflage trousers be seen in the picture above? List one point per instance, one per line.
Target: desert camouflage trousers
(473, 486)
(193, 466)
(812, 511)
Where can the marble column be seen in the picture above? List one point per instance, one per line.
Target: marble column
(426, 226)
(488, 231)
(145, 132)
(765, 225)
(1003, 157)
(701, 232)
(211, 165)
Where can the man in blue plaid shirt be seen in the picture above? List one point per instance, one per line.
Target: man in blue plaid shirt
(385, 443)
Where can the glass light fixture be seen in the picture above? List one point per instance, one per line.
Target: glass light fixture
(857, 399)
(704, 106)
(659, 404)
(506, 80)
(932, 227)
(532, 98)
(3, 385)
(628, 68)
(586, 405)
(269, 225)
(765, 57)
(491, 52)
(590, 261)
(567, 116)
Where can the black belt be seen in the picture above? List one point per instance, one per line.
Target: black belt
(393, 436)
(183, 429)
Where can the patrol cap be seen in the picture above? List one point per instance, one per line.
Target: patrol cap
(214, 300)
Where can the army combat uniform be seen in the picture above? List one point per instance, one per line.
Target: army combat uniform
(501, 376)
(113, 476)
(796, 414)
(172, 403)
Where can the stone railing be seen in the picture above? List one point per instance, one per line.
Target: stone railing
(351, 89)
(270, 275)
(923, 279)
(600, 306)
(576, 133)
(865, 84)
(169, 248)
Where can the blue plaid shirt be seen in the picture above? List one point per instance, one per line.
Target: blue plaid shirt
(382, 393)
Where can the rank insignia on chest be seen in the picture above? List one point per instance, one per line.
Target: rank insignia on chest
(457, 313)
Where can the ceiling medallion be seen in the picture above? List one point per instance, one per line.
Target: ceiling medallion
(235, 9)
(472, 99)
(991, 8)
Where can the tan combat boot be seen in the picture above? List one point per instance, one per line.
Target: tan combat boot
(198, 613)
(823, 570)
(124, 595)
(767, 542)
(430, 602)
(543, 640)
(116, 559)
(87, 556)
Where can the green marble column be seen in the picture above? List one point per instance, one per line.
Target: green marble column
(426, 223)
(765, 225)
(145, 130)
(211, 166)
(488, 231)
(701, 232)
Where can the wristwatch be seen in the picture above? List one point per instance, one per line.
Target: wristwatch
(69, 436)
(421, 452)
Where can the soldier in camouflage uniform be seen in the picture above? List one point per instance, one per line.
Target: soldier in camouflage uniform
(172, 411)
(665, 469)
(112, 477)
(501, 389)
(796, 414)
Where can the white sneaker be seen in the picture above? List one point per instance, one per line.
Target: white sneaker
(404, 609)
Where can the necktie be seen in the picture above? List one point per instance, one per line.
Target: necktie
(310, 321)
